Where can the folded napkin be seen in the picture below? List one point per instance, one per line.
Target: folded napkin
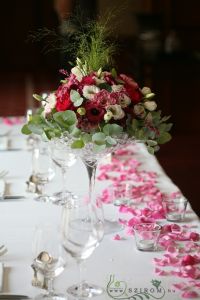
(1, 276)
(2, 187)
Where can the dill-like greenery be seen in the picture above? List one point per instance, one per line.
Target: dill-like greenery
(89, 41)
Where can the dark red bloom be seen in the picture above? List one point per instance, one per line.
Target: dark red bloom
(63, 101)
(87, 80)
(132, 88)
(94, 112)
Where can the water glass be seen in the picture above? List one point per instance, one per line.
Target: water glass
(48, 260)
(43, 170)
(146, 236)
(174, 207)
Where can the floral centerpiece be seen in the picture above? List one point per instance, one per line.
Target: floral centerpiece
(96, 110)
(94, 104)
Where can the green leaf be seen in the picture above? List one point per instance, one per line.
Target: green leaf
(112, 129)
(38, 97)
(77, 144)
(26, 130)
(111, 141)
(105, 86)
(35, 128)
(150, 149)
(86, 138)
(98, 148)
(65, 118)
(135, 124)
(151, 143)
(99, 138)
(114, 72)
(74, 131)
(76, 98)
(164, 138)
(165, 118)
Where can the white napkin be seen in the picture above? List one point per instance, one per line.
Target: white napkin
(1, 276)
(2, 187)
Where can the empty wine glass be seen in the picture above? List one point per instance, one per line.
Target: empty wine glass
(43, 171)
(49, 260)
(64, 159)
(81, 232)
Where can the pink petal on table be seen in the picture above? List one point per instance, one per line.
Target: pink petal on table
(194, 236)
(190, 295)
(188, 260)
(172, 249)
(117, 237)
(160, 272)
(181, 286)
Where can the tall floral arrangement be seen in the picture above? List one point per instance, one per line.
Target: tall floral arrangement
(95, 104)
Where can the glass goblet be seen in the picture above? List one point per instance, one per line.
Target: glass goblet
(48, 261)
(82, 230)
(43, 170)
(64, 159)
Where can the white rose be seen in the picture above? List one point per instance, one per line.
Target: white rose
(139, 110)
(77, 72)
(150, 105)
(89, 91)
(146, 90)
(124, 101)
(108, 115)
(116, 111)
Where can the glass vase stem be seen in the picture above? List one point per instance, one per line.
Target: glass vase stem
(64, 178)
(91, 169)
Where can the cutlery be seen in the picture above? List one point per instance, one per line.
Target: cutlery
(1, 276)
(3, 250)
(11, 197)
(13, 296)
(3, 173)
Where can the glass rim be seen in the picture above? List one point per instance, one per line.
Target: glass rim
(175, 200)
(157, 227)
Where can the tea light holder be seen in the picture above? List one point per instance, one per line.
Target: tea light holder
(175, 208)
(146, 236)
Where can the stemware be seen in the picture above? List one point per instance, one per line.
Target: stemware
(43, 171)
(81, 232)
(49, 261)
(64, 159)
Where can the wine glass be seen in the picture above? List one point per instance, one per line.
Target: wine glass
(43, 170)
(49, 261)
(82, 230)
(64, 159)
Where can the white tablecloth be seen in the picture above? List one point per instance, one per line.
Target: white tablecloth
(19, 217)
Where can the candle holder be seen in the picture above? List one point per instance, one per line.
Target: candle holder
(174, 207)
(146, 236)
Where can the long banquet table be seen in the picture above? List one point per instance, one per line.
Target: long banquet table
(118, 258)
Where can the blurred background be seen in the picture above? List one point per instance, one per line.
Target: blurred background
(159, 45)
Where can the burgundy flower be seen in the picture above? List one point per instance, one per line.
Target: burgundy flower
(132, 88)
(94, 112)
(87, 80)
(63, 101)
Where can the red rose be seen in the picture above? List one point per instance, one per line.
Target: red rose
(87, 80)
(94, 112)
(132, 88)
(63, 101)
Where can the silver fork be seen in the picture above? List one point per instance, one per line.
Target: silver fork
(3, 250)
(3, 173)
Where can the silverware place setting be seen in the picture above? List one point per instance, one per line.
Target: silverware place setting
(3, 250)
